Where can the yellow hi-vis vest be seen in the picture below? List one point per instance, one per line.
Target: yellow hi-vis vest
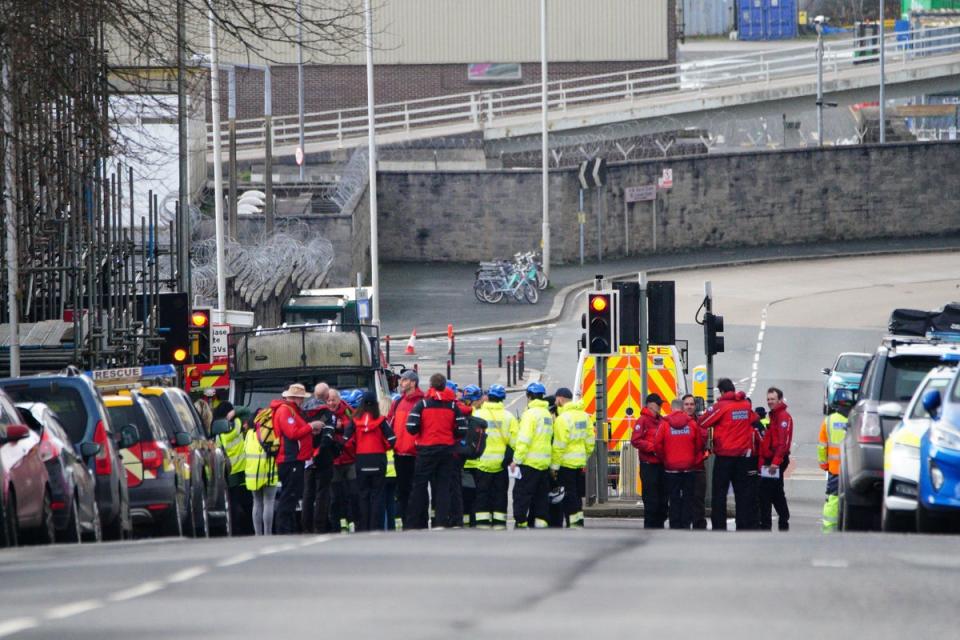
(832, 432)
(391, 467)
(535, 436)
(261, 469)
(233, 445)
(574, 437)
(500, 424)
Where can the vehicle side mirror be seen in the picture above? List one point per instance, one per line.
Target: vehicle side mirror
(182, 439)
(825, 371)
(890, 410)
(90, 449)
(129, 436)
(220, 426)
(931, 402)
(15, 433)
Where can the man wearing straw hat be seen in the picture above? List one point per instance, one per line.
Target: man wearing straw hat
(295, 436)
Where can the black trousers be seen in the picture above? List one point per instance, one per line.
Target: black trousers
(317, 479)
(572, 505)
(468, 487)
(456, 495)
(773, 495)
(370, 497)
(681, 490)
(490, 504)
(344, 504)
(654, 495)
(742, 473)
(531, 504)
(291, 490)
(435, 467)
(241, 506)
(390, 503)
(405, 466)
(699, 509)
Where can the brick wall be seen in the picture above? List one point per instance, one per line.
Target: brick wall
(728, 200)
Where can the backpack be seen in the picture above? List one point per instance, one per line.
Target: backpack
(263, 423)
(470, 446)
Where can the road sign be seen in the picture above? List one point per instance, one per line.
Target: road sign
(298, 155)
(593, 173)
(666, 180)
(581, 218)
(219, 334)
(645, 193)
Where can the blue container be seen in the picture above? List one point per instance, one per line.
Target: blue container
(752, 20)
(767, 19)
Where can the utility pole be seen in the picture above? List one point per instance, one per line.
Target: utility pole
(232, 153)
(883, 102)
(644, 338)
(184, 240)
(708, 308)
(268, 149)
(9, 171)
(545, 147)
(372, 168)
(819, 84)
(300, 87)
(217, 163)
(600, 395)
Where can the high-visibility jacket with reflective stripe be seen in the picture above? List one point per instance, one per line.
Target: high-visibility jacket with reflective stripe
(500, 424)
(233, 445)
(832, 432)
(391, 468)
(261, 469)
(574, 436)
(535, 437)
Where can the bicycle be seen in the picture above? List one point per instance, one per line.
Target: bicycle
(491, 286)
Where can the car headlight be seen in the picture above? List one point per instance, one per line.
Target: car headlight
(936, 476)
(906, 451)
(944, 437)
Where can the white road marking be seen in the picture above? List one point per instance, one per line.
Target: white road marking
(829, 563)
(138, 591)
(313, 541)
(9, 627)
(277, 549)
(72, 609)
(929, 560)
(756, 355)
(187, 574)
(237, 559)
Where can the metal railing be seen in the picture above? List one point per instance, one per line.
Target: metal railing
(676, 82)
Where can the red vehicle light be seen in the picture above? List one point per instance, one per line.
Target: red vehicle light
(151, 455)
(157, 507)
(57, 505)
(103, 464)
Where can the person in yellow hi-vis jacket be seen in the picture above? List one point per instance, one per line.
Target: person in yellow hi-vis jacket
(574, 439)
(531, 461)
(832, 432)
(260, 449)
(489, 471)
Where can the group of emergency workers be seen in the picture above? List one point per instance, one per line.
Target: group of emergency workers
(750, 448)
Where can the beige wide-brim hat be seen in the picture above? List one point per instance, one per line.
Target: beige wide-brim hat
(296, 391)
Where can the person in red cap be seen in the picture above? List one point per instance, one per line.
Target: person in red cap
(679, 445)
(731, 419)
(295, 436)
(651, 470)
(775, 456)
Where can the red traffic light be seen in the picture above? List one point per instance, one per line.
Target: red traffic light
(599, 303)
(199, 319)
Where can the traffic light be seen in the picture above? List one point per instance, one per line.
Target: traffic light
(200, 335)
(172, 327)
(602, 331)
(712, 328)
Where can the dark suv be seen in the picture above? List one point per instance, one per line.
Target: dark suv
(889, 380)
(77, 403)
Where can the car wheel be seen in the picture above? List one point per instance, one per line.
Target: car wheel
(896, 521)
(172, 524)
(73, 532)
(12, 522)
(115, 529)
(200, 522)
(225, 528)
(856, 518)
(47, 532)
(4, 529)
(97, 534)
(928, 521)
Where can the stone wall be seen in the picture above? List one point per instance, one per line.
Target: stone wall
(727, 200)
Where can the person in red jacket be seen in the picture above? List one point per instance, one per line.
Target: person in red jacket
(405, 451)
(730, 419)
(371, 437)
(295, 436)
(344, 501)
(679, 445)
(699, 509)
(775, 456)
(434, 421)
(643, 439)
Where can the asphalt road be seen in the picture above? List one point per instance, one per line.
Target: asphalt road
(612, 579)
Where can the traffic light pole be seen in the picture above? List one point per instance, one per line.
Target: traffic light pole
(708, 308)
(602, 431)
(643, 338)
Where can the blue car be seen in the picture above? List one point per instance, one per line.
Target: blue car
(938, 501)
(845, 374)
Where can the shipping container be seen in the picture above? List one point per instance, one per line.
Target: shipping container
(781, 19)
(707, 17)
(752, 20)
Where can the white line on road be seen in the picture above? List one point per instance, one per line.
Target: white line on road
(313, 541)
(756, 355)
(187, 574)
(279, 548)
(9, 627)
(237, 559)
(138, 591)
(72, 609)
(829, 563)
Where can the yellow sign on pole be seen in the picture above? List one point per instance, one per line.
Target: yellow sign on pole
(700, 382)
(802, 17)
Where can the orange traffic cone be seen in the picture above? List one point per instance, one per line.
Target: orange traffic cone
(412, 344)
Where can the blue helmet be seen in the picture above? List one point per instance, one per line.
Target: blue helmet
(353, 397)
(395, 396)
(497, 392)
(452, 386)
(472, 392)
(537, 388)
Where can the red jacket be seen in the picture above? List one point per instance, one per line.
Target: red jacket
(732, 420)
(293, 432)
(370, 435)
(679, 443)
(778, 437)
(342, 414)
(435, 419)
(645, 434)
(399, 411)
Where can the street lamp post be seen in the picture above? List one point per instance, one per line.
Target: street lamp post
(545, 147)
(819, 84)
(883, 105)
(217, 164)
(372, 168)
(300, 86)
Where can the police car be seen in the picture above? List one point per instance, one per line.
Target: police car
(938, 499)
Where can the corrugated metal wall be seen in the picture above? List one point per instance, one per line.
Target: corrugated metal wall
(707, 17)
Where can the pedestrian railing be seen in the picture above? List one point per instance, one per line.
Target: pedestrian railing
(482, 109)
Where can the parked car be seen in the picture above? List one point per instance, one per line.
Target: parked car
(901, 456)
(73, 487)
(205, 460)
(156, 474)
(845, 373)
(77, 403)
(938, 498)
(889, 381)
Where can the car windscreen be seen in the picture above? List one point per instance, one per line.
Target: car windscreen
(903, 375)
(65, 402)
(167, 418)
(852, 364)
(938, 384)
(123, 415)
